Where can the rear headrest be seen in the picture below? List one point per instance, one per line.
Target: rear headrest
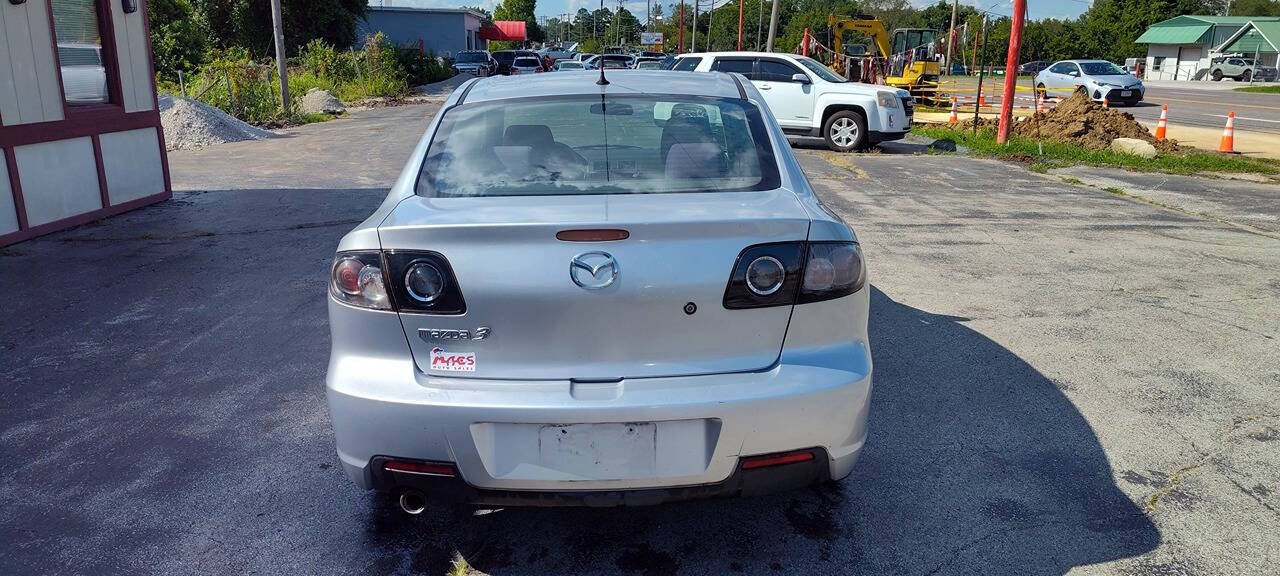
(528, 135)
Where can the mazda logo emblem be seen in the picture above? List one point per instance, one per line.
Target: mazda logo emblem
(593, 270)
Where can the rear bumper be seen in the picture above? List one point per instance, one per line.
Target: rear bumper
(491, 429)
(743, 482)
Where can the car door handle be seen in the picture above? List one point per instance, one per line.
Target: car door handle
(766, 87)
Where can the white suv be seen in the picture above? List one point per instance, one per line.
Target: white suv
(808, 99)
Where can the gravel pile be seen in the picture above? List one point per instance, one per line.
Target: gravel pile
(192, 124)
(318, 101)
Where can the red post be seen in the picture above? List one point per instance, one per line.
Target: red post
(739, 25)
(1011, 71)
(680, 48)
(804, 44)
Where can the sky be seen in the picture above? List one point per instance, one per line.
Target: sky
(1037, 9)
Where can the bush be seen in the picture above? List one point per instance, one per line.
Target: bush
(249, 90)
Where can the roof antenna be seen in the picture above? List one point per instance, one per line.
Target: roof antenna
(602, 81)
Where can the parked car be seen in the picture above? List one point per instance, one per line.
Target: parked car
(649, 64)
(619, 61)
(1097, 78)
(568, 65)
(476, 62)
(656, 62)
(506, 57)
(84, 79)
(1032, 68)
(808, 99)
(512, 326)
(591, 61)
(526, 65)
(1241, 69)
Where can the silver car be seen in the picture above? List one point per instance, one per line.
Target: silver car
(1098, 79)
(599, 294)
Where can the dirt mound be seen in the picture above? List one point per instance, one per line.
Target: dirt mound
(1082, 121)
(1078, 120)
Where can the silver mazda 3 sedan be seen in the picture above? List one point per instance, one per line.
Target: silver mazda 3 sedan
(599, 294)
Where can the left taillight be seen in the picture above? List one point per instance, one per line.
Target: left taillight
(357, 279)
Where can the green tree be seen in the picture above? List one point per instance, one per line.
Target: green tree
(247, 23)
(178, 37)
(1255, 8)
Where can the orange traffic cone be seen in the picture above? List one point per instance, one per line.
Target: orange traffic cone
(1228, 142)
(1164, 122)
(1040, 104)
(954, 117)
(1105, 104)
(982, 100)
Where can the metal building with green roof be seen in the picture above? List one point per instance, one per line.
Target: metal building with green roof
(1181, 48)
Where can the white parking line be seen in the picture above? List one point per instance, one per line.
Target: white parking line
(1244, 118)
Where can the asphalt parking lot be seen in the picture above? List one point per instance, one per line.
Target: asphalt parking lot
(1067, 380)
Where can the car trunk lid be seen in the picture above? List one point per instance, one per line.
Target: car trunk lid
(514, 275)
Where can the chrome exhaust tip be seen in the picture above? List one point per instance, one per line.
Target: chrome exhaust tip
(412, 502)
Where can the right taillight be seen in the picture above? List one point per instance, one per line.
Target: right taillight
(832, 270)
(787, 273)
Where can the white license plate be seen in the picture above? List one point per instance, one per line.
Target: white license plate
(1126, 93)
(600, 451)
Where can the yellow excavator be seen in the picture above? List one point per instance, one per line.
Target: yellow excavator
(909, 63)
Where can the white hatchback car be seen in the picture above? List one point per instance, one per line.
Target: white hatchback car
(599, 294)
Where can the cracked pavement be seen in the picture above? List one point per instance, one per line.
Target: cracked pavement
(1067, 381)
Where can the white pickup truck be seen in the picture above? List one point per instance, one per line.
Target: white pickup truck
(808, 99)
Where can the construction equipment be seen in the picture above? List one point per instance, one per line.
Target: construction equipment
(910, 62)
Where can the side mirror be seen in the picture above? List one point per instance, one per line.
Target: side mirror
(801, 78)
(1074, 73)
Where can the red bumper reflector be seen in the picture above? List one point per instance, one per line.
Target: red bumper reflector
(775, 460)
(427, 468)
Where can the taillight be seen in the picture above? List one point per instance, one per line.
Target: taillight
(357, 279)
(832, 270)
(415, 282)
(538, 69)
(423, 282)
(789, 273)
(765, 275)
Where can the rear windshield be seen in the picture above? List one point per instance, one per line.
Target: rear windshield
(504, 57)
(524, 61)
(599, 145)
(472, 57)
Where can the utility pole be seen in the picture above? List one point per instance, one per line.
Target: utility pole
(951, 36)
(759, 23)
(693, 45)
(711, 13)
(1011, 71)
(773, 26)
(282, 64)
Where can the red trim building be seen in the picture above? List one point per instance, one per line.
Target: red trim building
(79, 122)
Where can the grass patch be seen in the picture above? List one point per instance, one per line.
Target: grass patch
(1271, 89)
(1072, 180)
(1059, 154)
(1114, 190)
